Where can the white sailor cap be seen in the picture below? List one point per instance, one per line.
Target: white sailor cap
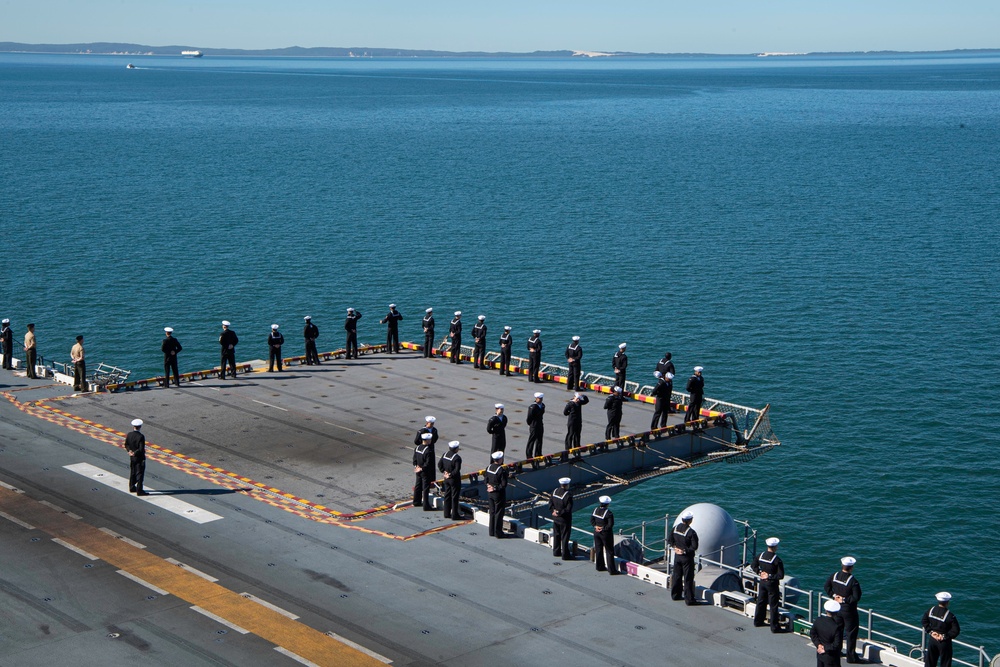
(426, 436)
(168, 329)
(688, 515)
(618, 390)
(506, 328)
(136, 422)
(539, 394)
(225, 323)
(498, 406)
(772, 541)
(669, 375)
(576, 339)
(537, 331)
(274, 326)
(5, 321)
(392, 305)
(831, 606)
(429, 310)
(564, 480)
(496, 456)
(604, 500)
(943, 596)
(430, 419)
(458, 313)
(698, 369)
(482, 317)
(576, 394)
(622, 346)
(307, 317)
(657, 374)
(454, 444)
(350, 310)
(848, 561)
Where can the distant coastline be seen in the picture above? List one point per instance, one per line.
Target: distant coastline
(126, 49)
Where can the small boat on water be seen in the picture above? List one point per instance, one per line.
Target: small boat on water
(130, 66)
(192, 54)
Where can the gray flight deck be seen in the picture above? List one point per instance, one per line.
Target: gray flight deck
(339, 435)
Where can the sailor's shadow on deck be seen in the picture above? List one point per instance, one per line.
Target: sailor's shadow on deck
(197, 492)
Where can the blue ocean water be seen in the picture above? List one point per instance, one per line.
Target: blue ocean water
(819, 233)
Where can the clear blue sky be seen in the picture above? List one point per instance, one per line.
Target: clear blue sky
(712, 26)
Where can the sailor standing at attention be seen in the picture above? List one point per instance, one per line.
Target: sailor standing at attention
(536, 426)
(496, 488)
(479, 343)
(423, 466)
(7, 340)
(534, 355)
(827, 636)
(613, 404)
(941, 627)
(505, 342)
(574, 353)
(79, 358)
(619, 362)
(170, 347)
(661, 407)
(428, 427)
(696, 388)
(665, 365)
(274, 342)
(497, 427)
(603, 521)
(574, 421)
(392, 319)
(135, 445)
(844, 587)
(451, 466)
(30, 352)
(455, 331)
(428, 324)
(227, 342)
(311, 332)
(771, 570)
(684, 541)
(561, 506)
(351, 327)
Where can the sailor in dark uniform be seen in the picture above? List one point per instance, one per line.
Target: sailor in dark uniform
(827, 635)
(665, 366)
(684, 541)
(941, 627)
(7, 339)
(574, 353)
(351, 327)
(603, 521)
(561, 507)
(311, 333)
(844, 587)
(170, 347)
(497, 427)
(455, 331)
(392, 319)
(496, 488)
(771, 570)
(613, 404)
(536, 426)
(135, 444)
(661, 392)
(479, 343)
(574, 421)
(428, 324)
(428, 427)
(228, 341)
(505, 342)
(619, 362)
(274, 342)
(534, 355)
(696, 388)
(423, 466)
(450, 466)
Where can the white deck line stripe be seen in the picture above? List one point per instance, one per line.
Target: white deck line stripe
(358, 647)
(165, 502)
(344, 427)
(294, 656)
(265, 603)
(85, 554)
(14, 519)
(61, 510)
(192, 570)
(219, 619)
(268, 405)
(143, 582)
(122, 538)
(11, 488)
(203, 385)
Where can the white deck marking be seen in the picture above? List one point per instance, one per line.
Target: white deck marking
(358, 647)
(204, 385)
(143, 582)
(168, 503)
(60, 510)
(122, 538)
(14, 519)
(11, 488)
(272, 607)
(294, 656)
(268, 405)
(344, 427)
(219, 619)
(85, 554)
(192, 570)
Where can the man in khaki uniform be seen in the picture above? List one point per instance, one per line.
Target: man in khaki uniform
(30, 351)
(79, 365)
